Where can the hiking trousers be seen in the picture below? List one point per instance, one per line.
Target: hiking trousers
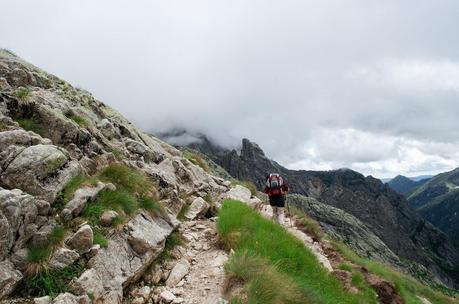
(278, 214)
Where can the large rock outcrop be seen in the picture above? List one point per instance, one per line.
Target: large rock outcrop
(51, 133)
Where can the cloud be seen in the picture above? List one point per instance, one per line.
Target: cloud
(371, 85)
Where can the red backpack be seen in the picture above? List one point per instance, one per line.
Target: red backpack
(274, 183)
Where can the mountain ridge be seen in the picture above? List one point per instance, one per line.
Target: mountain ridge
(405, 185)
(389, 213)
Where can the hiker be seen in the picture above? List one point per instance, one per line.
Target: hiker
(276, 188)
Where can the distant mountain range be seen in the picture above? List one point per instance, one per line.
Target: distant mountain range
(383, 212)
(437, 200)
(406, 185)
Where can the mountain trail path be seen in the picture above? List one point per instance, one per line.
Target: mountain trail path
(204, 282)
(196, 275)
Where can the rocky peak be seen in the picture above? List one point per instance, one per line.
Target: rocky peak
(251, 150)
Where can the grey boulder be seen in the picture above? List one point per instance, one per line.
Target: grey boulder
(41, 170)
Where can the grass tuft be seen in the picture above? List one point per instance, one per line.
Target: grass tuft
(29, 124)
(100, 239)
(345, 267)
(49, 283)
(133, 181)
(67, 193)
(182, 212)
(197, 160)
(76, 118)
(173, 240)
(22, 93)
(57, 235)
(37, 258)
(150, 205)
(119, 200)
(304, 222)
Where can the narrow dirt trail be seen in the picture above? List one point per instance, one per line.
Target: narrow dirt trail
(203, 283)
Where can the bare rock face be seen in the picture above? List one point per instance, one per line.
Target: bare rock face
(239, 192)
(81, 198)
(41, 170)
(107, 218)
(21, 217)
(178, 272)
(21, 137)
(89, 280)
(9, 278)
(107, 129)
(145, 233)
(82, 239)
(42, 300)
(68, 298)
(127, 257)
(62, 258)
(198, 207)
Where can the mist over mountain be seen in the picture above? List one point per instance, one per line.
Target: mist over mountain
(320, 85)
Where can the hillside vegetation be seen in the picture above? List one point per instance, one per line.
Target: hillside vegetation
(271, 266)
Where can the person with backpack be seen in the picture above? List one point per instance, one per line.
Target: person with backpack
(276, 188)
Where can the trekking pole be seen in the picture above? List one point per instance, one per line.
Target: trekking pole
(288, 210)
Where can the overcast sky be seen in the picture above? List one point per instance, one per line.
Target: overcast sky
(365, 84)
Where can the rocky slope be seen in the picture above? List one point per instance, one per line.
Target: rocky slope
(384, 212)
(52, 135)
(404, 185)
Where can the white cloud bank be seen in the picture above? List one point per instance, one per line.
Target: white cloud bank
(370, 85)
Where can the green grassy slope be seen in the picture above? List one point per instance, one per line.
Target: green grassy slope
(279, 257)
(272, 266)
